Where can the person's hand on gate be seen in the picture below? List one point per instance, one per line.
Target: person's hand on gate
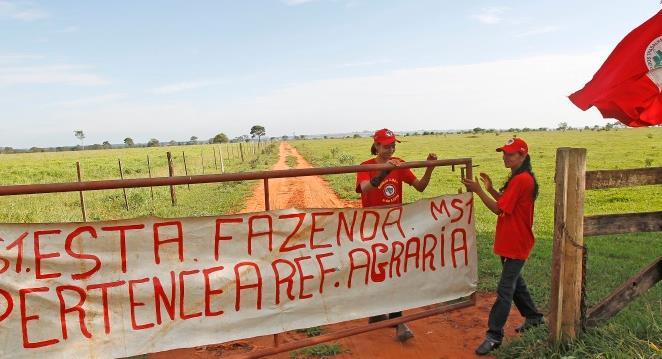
(432, 157)
(473, 186)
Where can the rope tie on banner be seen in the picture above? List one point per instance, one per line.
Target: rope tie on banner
(583, 307)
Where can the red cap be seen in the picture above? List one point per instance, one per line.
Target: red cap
(514, 145)
(384, 136)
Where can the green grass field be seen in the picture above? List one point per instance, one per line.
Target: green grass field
(637, 330)
(199, 200)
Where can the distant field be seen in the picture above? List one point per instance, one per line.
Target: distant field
(635, 332)
(201, 199)
(612, 259)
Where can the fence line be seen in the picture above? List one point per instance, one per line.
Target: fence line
(149, 164)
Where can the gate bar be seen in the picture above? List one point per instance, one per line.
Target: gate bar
(211, 178)
(442, 308)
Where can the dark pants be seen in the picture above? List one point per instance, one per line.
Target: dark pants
(390, 316)
(395, 315)
(512, 288)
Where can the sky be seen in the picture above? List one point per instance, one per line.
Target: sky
(175, 69)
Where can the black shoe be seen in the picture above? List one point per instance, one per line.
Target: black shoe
(403, 333)
(530, 323)
(487, 346)
(377, 318)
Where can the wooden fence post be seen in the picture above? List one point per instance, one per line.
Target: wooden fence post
(149, 171)
(241, 150)
(567, 259)
(126, 200)
(185, 168)
(202, 159)
(171, 172)
(215, 160)
(82, 199)
(220, 152)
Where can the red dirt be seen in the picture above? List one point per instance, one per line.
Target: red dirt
(295, 192)
(450, 335)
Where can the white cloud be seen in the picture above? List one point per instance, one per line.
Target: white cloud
(48, 74)
(69, 29)
(297, 2)
(183, 86)
(490, 16)
(17, 58)
(93, 100)
(528, 92)
(364, 63)
(539, 30)
(22, 11)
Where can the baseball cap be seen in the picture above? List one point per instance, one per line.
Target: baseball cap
(384, 136)
(514, 145)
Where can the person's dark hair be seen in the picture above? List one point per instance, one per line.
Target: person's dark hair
(525, 167)
(373, 149)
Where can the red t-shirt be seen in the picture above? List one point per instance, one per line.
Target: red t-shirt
(514, 229)
(389, 191)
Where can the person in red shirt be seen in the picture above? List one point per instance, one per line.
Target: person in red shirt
(513, 204)
(384, 188)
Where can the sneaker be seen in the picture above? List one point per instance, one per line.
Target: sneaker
(377, 318)
(487, 346)
(530, 323)
(403, 333)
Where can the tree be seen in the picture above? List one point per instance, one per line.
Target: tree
(106, 145)
(129, 142)
(153, 143)
(80, 135)
(242, 138)
(194, 140)
(258, 131)
(563, 126)
(220, 138)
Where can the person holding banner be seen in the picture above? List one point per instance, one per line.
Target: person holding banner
(513, 204)
(384, 188)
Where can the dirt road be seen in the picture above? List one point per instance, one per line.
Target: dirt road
(296, 192)
(450, 335)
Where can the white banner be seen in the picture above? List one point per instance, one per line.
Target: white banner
(122, 288)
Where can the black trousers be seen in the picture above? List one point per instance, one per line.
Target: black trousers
(391, 315)
(512, 288)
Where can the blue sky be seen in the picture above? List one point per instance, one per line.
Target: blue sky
(175, 69)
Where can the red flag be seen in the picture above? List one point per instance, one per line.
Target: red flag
(628, 86)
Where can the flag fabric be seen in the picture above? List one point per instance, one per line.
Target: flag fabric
(628, 86)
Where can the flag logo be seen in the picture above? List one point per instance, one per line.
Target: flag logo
(653, 54)
(389, 190)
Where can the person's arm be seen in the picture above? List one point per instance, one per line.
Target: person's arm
(421, 184)
(494, 193)
(374, 182)
(366, 184)
(490, 203)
